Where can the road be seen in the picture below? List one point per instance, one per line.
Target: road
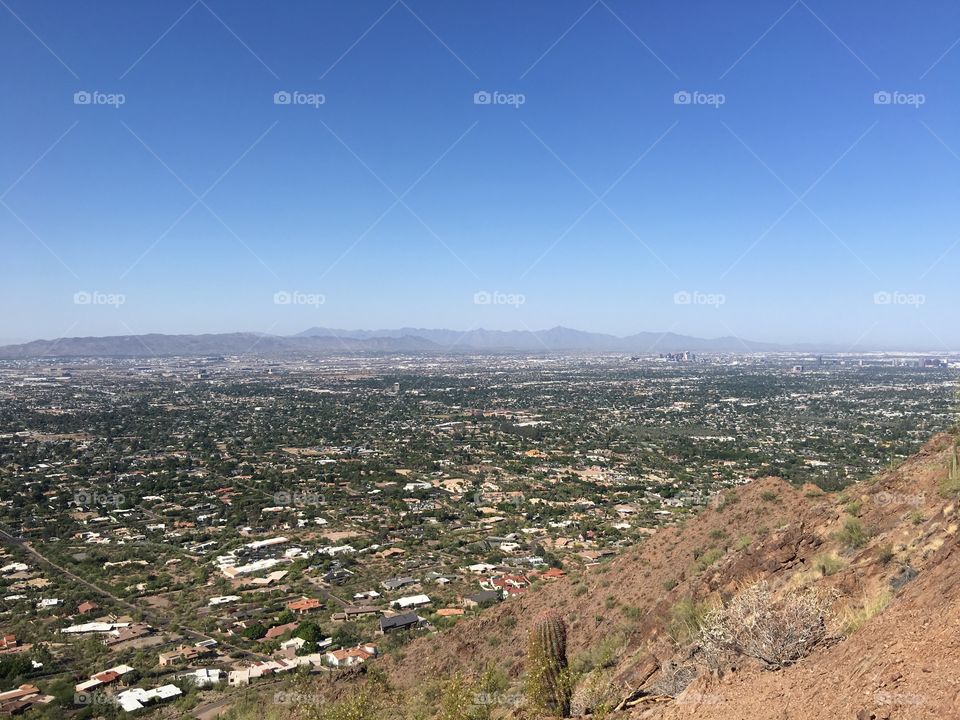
(151, 615)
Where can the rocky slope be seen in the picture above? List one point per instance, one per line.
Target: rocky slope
(884, 553)
(894, 643)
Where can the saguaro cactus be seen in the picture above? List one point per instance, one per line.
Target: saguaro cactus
(548, 681)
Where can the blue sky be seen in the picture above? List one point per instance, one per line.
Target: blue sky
(785, 202)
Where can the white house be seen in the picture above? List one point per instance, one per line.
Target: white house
(411, 601)
(351, 656)
(204, 677)
(94, 627)
(138, 698)
(222, 599)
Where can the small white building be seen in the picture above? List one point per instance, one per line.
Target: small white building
(138, 698)
(411, 601)
(203, 677)
(222, 600)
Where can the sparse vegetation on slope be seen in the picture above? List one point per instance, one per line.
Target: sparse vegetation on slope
(856, 617)
(852, 535)
(829, 626)
(756, 623)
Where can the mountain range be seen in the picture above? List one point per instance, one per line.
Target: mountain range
(327, 341)
(555, 339)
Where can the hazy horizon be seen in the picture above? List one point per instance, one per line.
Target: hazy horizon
(780, 172)
(740, 346)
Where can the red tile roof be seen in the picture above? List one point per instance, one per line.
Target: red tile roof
(279, 630)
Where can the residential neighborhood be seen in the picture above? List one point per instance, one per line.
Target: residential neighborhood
(253, 520)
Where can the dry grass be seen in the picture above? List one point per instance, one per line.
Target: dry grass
(854, 617)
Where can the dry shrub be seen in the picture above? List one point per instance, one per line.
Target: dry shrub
(673, 679)
(757, 624)
(595, 694)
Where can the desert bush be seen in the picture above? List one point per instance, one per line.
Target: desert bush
(493, 679)
(854, 507)
(757, 624)
(686, 619)
(368, 703)
(459, 700)
(828, 564)
(595, 694)
(603, 653)
(852, 535)
(729, 498)
(705, 560)
(673, 679)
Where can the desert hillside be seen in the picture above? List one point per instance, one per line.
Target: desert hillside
(881, 557)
